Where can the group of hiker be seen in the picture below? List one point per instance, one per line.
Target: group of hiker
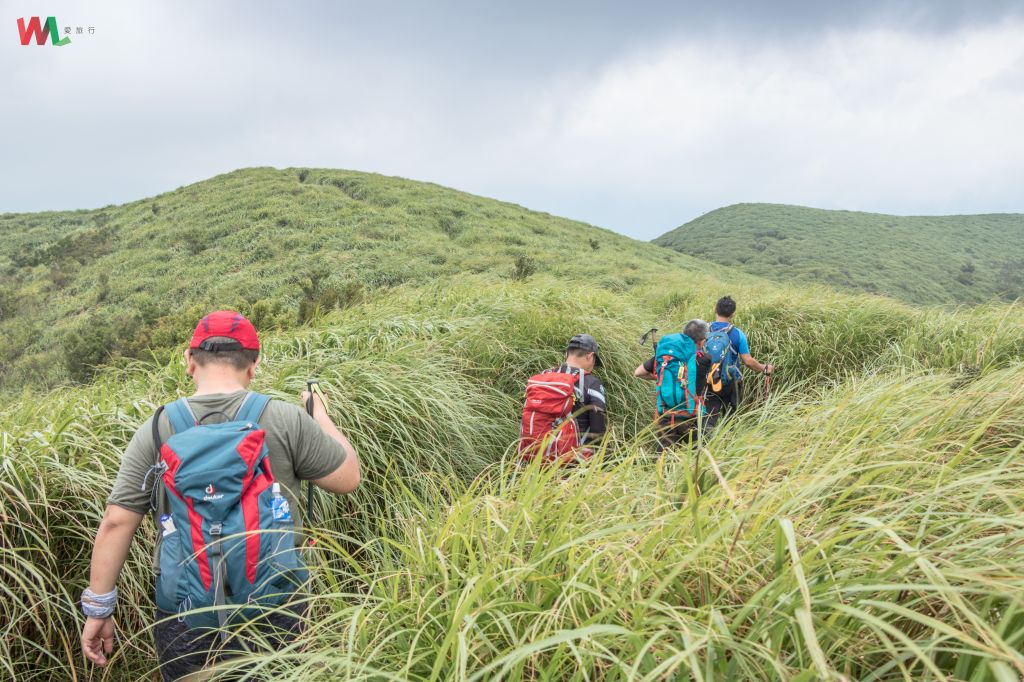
(220, 472)
(698, 381)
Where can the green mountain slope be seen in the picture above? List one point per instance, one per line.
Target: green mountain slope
(924, 260)
(81, 288)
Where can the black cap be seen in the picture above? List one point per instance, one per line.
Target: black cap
(218, 346)
(586, 343)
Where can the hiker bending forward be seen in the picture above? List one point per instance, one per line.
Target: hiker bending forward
(682, 416)
(253, 485)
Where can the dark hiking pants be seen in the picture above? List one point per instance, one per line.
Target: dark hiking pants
(670, 431)
(726, 402)
(182, 650)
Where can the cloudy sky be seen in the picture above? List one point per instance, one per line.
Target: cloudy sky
(636, 116)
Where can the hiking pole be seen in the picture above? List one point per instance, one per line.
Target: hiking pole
(313, 387)
(651, 334)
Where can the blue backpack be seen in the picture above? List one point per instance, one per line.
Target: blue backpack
(675, 365)
(719, 348)
(229, 537)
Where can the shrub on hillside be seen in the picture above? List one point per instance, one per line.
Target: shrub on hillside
(265, 314)
(523, 267)
(319, 298)
(90, 345)
(448, 223)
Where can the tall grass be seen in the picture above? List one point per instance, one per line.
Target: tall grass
(872, 534)
(863, 520)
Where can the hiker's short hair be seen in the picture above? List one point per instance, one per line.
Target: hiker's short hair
(238, 359)
(726, 307)
(696, 330)
(578, 352)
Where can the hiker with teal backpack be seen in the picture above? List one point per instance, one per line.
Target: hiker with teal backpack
(221, 472)
(679, 367)
(727, 348)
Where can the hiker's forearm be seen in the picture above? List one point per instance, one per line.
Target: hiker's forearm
(751, 362)
(325, 423)
(642, 373)
(346, 478)
(109, 552)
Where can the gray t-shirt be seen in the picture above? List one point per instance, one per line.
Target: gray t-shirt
(298, 448)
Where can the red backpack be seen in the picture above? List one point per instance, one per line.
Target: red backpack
(548, 428)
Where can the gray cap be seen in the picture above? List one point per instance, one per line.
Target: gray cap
(586, 343)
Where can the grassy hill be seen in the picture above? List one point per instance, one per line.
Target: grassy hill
(860, 521)
(81, 288)
(923, 260)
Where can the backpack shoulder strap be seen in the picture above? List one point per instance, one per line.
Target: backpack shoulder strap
(181, 416)
(728, 335)
(252, 407)
(157, 441)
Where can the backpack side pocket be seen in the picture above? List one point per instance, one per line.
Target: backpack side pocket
(168, 583)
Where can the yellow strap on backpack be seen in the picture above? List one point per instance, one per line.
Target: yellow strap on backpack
(715, 377)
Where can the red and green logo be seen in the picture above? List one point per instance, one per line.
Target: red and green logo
(41, 31)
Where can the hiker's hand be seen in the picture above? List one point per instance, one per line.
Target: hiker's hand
(319, 409)
(768, 369)
(98, 639)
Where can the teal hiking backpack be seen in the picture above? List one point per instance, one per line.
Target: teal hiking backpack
(675, 366)
(228, 538)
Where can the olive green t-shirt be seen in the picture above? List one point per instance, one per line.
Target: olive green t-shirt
(298, 448)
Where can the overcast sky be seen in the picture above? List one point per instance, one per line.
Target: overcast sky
(629, 115)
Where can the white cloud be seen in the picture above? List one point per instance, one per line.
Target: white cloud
(872, 120)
